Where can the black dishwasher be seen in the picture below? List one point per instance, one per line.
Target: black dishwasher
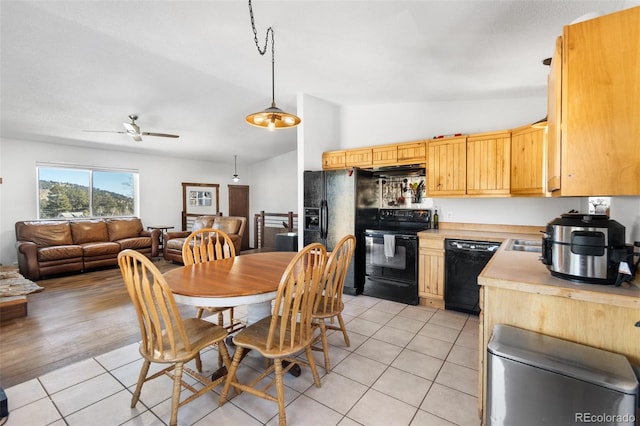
(463, 262)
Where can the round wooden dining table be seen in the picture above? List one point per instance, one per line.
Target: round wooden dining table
(247, 279)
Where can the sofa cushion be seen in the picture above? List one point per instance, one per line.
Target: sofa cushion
(100, 249)
(227, 225)
(45, 233)
(123, 228)
(89, 231)
(46, 254)
(135, 243)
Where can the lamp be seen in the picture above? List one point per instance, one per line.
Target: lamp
(236, 178)
(271, 117)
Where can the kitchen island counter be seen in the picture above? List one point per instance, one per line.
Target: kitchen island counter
(518, 290)
(523, 271)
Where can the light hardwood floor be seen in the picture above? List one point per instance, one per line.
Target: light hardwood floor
(75, 317)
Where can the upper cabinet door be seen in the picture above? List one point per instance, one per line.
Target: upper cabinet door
(554, 97)
(447, 166)
(600, 126)
(489, 164)
(385, 155)
(334, 160)
(527, 161)
(359, 157)
(412, 153)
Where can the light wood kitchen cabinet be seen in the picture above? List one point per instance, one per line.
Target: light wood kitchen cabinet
(385, 155)
(600, 325)
(334, 160)
(527, 161)
(359, 157)
(600, 106)
(431, 272)
(412, 153)
(447, 166)
(518, 290)
(553, 119)
(489, 163)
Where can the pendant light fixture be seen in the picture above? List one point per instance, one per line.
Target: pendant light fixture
(236, 178)
(272, 117)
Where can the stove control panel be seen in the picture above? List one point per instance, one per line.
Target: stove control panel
(405, 215)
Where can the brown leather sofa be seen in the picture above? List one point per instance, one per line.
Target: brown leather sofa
(234, 226)
(58, 246)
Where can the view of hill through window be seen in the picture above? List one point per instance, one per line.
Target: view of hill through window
(85, 193)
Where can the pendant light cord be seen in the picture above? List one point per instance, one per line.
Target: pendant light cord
(263, 50)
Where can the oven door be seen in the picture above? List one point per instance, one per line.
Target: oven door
(397, 261)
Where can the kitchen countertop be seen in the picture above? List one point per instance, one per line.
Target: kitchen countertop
(488, 235)
(523, 271)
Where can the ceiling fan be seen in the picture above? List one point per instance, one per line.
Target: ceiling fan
(133, 130)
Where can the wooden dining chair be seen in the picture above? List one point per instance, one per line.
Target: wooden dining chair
(329, 305)
(286, 332)
(206, 245)
(166, 337)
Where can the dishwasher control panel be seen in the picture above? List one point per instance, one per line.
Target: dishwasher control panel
(471, 245)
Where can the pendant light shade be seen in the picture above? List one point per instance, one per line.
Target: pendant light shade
(272, 117)
(235, 178)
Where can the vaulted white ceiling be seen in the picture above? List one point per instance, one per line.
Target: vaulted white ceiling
(192, 67)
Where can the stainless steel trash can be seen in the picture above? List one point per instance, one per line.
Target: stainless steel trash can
(534, 379)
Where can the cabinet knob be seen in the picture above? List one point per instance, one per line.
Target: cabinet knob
(637, 324)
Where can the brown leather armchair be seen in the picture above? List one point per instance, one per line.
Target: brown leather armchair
(234, 226)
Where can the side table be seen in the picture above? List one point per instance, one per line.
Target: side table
(162, 229)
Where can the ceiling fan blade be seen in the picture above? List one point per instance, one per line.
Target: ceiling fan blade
(162, 135)
(103, 131)
(135, 137)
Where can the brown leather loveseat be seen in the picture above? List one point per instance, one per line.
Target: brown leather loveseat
(234, 226)
(57, 246)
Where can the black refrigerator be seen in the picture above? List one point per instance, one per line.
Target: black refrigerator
(337, 203)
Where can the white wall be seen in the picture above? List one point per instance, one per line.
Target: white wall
(274, 186)
(366, 125)
(626, 210)
(319, 131)
(160, 183)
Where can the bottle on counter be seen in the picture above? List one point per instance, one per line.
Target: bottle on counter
(435, 220)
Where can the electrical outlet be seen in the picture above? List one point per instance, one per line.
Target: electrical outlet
(449, 215)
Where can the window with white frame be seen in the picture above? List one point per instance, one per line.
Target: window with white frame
(78, 191)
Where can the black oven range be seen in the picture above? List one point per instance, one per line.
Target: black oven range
(391, 255)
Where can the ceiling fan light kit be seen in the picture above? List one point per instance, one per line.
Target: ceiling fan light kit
(272, 117)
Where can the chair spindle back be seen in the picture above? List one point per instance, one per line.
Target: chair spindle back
(155, 306)
(335, 273)
(297, 293)
(207, 244)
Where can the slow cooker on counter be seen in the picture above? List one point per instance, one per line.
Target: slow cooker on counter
(585, 248)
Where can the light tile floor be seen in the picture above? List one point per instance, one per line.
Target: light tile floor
(407, 365)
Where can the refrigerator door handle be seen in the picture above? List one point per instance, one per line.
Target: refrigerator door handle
(324, 219)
